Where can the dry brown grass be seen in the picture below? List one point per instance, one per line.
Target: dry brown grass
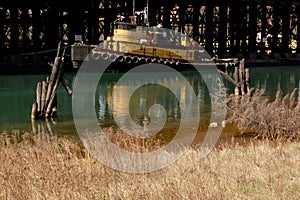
(275, 120)
(59, 168)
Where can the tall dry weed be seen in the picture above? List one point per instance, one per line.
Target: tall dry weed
(58, 168)
(275, 120)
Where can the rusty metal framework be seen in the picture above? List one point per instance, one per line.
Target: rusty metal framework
(226, 28)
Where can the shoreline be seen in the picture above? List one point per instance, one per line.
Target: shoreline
(20, 68)
(272, 62)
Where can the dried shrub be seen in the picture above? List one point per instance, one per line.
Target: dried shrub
(275, 120)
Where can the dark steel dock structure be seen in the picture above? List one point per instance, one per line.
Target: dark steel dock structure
(264, 32)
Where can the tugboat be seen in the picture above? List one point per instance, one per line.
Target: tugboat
(134, 42)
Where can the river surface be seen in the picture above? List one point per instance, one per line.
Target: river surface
(18, 93)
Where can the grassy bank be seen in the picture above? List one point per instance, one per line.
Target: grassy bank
(58, 168)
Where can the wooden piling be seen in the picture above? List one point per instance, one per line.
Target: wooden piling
(228, 78)
(247, 80)
(54, 84)
(68, 90)
(33, 110)
(236, 78)
(44, 92)
(52, 79)
(241, 76)
(38, 96)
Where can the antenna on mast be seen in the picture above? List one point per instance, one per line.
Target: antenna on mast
(133, 11)
(147, 14)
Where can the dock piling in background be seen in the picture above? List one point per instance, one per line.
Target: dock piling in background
(240, 77)
(38, 96)
(45, 104)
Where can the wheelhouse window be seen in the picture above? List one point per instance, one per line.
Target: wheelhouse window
(125, 26)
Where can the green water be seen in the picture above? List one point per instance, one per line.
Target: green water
(18, 92)
(275, 78)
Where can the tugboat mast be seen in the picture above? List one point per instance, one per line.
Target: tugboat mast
(133, 10)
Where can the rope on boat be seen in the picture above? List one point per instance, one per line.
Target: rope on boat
(42, 52)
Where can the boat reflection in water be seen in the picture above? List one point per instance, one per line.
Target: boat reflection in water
(154, 98)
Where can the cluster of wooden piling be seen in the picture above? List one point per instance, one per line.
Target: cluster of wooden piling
(45, 103)
(239, 75)
(242, 77)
